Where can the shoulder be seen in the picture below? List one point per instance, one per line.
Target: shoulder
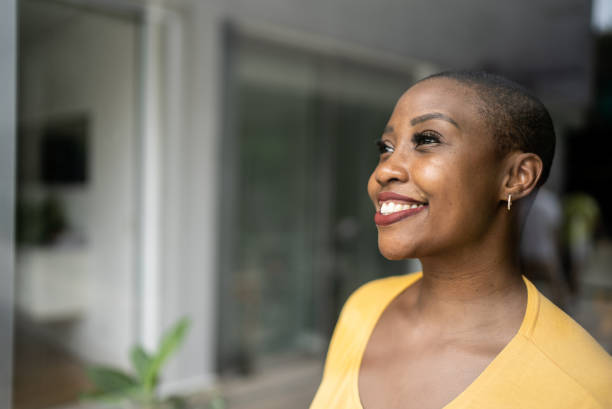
(572, 351)
(383, 286)
(364, 306)
(359, 315)
(378, 293)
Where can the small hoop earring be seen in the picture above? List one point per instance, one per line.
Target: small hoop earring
(509, 201)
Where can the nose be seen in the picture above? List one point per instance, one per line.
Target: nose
(392, 169)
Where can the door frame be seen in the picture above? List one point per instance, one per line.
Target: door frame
(8, 104)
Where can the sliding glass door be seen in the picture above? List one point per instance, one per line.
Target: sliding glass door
(297, 230)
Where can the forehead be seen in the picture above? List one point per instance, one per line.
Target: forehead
(445, 96)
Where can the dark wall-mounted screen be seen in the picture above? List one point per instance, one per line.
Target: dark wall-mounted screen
(64, 151)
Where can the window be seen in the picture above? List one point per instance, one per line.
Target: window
(297, 229)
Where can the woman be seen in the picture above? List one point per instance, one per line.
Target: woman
(461, 151)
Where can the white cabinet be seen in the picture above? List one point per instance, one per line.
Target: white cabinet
(52, 283)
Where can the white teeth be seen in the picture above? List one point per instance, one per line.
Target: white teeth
(390, 207)
(385, 208)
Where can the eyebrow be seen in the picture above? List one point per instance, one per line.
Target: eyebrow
(432, 115)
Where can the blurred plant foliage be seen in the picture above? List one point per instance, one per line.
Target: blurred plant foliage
(140, 388)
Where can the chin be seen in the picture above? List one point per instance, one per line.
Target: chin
(391, 251)
(394, 256)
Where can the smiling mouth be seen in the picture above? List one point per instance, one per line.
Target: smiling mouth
(385, 219)
(394, 207)
(387, 208)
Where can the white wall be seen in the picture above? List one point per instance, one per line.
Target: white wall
(88, 63)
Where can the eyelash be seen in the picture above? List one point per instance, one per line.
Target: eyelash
(425, 138)
(418, 139)
(383, 147)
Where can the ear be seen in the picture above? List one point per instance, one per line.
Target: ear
(523, 170)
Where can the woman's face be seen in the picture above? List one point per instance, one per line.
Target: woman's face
(437, 186)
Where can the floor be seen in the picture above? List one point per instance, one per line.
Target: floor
(44, 374)
(291, 386)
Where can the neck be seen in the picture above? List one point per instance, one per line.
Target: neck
(478, 284)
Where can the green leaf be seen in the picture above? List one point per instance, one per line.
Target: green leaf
(170, 342)
(141, 361)
(110, 397)
(111, 381)
(134, 394)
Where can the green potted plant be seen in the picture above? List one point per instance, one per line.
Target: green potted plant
(139, 389)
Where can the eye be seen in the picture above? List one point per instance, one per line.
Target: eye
(425, 138)
(384, 147)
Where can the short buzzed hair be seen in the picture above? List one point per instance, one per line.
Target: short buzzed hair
(517, 119)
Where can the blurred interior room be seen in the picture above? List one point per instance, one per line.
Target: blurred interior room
(209, 159)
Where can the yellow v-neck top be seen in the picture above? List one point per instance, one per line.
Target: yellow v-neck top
(551, 362)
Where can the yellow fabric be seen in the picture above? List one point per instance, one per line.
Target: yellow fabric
(552, 362)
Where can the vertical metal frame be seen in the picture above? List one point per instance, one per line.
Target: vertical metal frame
(150, 175)
(8, 62)
(229, 154)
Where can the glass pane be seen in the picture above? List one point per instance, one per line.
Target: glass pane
(76, 202)
(275, 250)
(300, 222)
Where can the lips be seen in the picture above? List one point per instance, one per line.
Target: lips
(386, 196)
(395, 207)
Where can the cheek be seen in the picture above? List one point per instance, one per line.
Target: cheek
(465, 195)
(456, 186)
(434, 176)
(456, 172)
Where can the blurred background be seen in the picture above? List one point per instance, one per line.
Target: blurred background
(209, 159)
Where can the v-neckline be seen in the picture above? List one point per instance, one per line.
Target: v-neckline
(524, 330)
